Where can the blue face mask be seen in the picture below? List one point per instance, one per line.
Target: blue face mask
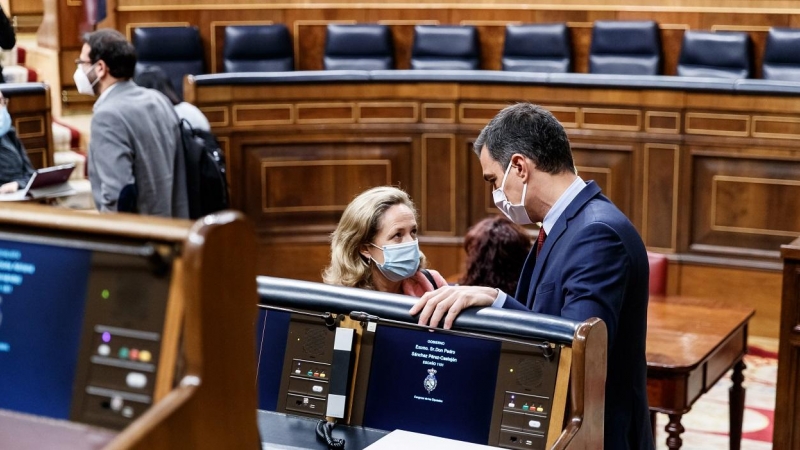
(5, 121)
(400, 261)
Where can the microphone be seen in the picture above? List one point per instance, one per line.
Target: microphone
(361, 316)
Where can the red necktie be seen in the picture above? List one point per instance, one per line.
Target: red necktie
(540, 240)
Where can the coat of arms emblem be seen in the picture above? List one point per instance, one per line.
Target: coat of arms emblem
(430, 381)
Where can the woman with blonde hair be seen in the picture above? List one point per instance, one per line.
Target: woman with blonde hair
(375, 246)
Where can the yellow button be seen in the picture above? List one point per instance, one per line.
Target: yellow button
(145, 356)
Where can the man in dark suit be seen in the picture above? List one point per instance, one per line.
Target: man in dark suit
(591, 261)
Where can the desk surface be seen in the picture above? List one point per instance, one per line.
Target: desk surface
(683, 332)
(286, 432)
(691, 343)
(27, 432)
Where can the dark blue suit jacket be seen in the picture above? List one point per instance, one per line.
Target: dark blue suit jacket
(594, 264)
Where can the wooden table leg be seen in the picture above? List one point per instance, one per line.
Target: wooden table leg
(736, 399)
(674, 430)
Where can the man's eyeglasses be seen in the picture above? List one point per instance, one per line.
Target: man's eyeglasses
(80, 61)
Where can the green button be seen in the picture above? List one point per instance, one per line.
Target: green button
(123, 352)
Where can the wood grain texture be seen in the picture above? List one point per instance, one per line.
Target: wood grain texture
(734, 288)
(691, 343)
(30, 115)
(704, 194)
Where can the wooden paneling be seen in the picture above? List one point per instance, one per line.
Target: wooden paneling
(30, 115)
(660, 200)
(569, 117)
(662, 122)
(612, 119)
(26, 14)
(297, 260)
(776, 127)
(732, 196)
(447, 259)
(478, 113)
(438, 173)
(757, 289)
(326, 113)
(218, 116)
(480, 203)
(744, 203)
(721, 205)
(295, 187)
(438, 113)
(611, 166)
(399, 112)
(712, 124)
(22, 7)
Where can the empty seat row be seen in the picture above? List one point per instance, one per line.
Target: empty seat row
(369, 47)
(617, 47)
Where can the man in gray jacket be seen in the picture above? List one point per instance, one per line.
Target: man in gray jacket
(135, 152)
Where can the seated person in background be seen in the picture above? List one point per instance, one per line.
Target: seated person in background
(375, 246)
(15, 166)
(496, 250)
(154, 78)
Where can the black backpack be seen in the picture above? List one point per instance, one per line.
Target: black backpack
(206, 185)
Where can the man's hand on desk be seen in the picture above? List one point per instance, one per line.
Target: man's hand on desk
(447, 302)
(9, 187)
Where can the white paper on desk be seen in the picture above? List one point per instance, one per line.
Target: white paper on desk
(403, 440)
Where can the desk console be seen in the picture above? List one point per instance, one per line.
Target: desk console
(111, 327)
(374, 367)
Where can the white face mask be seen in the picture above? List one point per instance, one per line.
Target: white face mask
(82, 81)
(515, 213)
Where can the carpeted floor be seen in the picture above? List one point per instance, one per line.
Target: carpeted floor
(707, 423)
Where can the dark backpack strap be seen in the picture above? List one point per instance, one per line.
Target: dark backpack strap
(430, 278)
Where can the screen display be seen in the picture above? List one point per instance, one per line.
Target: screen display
(433, 383)
(272, 334)
(42, 299)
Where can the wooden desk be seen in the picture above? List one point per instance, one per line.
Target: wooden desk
(691, 344)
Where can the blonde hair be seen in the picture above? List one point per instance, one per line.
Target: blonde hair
(358, 226)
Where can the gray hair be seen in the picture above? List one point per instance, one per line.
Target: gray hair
(531, 131)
